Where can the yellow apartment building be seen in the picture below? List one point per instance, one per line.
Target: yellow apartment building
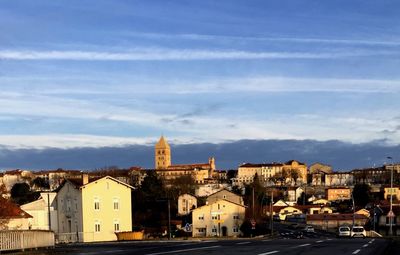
(93, 211)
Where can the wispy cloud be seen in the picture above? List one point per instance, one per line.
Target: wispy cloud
(66, 141)
(157, 54)
(122, 84)
(316, 40)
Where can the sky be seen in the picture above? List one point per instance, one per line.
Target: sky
(115, 73)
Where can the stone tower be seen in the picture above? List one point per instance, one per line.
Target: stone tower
(162, 154)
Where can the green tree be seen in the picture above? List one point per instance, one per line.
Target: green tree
(362, 194)
(41, 183)
(147, 208)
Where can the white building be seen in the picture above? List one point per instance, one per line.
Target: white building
(220, 218)
(186, 203)
(43, 210)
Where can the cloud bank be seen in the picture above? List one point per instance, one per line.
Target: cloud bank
(341, 155)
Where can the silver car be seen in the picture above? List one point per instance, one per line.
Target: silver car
(344, 231)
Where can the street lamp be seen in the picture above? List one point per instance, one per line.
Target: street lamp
(390, 215)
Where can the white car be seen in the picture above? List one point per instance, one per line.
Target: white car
(344, 231)
(309, 229)
(358, 231)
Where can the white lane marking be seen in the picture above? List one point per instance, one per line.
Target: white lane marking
(320, 241)
(267, 253)
(242, 243)
(356, 251)
(365, 245)
(183, 244)
(303, 245)
(184, 250)
(329, 239)
(113, 251)
(267, 240)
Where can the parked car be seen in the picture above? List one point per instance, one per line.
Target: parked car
(294, 226)
(344, 231)
(358, 231)
(309, 229)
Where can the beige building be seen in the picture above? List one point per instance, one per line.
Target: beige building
(394, 192)
(284, 211)
(267, 173)
(201, 173)
(226, 195)
(333, 194)
(339, 179)
(300, 168)
(320, 168)
(10, 178)
(93, 211)
(43, 211)
(186, 203)
(221, 218)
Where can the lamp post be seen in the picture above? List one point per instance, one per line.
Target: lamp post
(390, 215)
(354, 207)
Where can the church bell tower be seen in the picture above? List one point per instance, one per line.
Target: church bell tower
(162, 154)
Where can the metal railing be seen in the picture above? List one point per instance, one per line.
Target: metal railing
(25, 239)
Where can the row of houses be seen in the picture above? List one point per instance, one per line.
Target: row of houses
(79, 210)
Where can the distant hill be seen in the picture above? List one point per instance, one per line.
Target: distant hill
(341, 155)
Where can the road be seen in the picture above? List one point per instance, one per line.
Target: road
(309, 246)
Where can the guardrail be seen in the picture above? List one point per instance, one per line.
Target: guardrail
(25, 239)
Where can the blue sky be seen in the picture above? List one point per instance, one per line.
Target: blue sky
(113, 73)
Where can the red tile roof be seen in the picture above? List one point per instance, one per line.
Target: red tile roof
(9, 210)
(261, 165)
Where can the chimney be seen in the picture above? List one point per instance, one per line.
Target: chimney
(85, 179)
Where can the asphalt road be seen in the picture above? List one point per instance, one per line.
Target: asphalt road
(309, 246)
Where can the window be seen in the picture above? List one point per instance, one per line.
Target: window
(202, 230)
(96, 204)
(116, 203)
(214, 217)
(214, 230)
(116, 225)
(236, 217)
(235, 229)
(97, 226)
(201, 217)
(69, 205)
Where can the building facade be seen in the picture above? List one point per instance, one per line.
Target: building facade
(221, 218)
(94, 211)
(186, 203)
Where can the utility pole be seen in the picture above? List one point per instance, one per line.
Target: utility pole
(390, 215)
(354, 208)
(253, 203)
(48, 209)
(271, 212)
(169, 219)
